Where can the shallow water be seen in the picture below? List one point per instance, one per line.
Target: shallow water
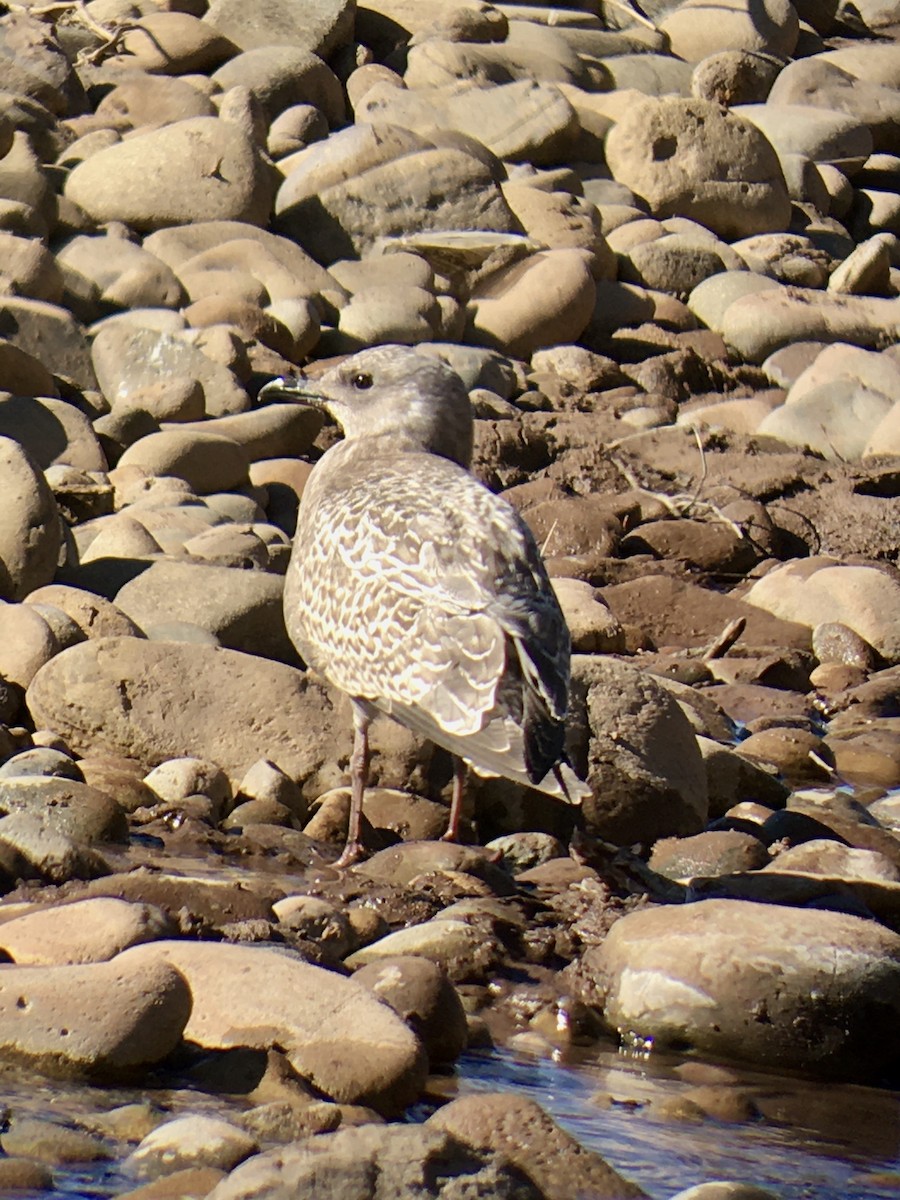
(822, 1141)
(833, 1142)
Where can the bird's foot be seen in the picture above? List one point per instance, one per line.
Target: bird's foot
(353, 852)
(452, 835)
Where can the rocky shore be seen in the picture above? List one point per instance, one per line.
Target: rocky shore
(660, 246)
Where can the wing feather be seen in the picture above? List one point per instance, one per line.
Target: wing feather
(437, 610)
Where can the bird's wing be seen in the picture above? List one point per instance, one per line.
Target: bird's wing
(464, 580)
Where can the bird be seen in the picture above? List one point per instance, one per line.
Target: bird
(417, 591)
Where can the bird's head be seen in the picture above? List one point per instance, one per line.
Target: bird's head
(410, 401)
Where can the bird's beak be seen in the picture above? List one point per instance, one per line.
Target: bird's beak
(294, 387)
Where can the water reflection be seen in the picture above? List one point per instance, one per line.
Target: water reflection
(807, 1140)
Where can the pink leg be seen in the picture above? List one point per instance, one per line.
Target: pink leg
(460, 771)
(359, 777)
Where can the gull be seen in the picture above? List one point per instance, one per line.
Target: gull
(418, 592)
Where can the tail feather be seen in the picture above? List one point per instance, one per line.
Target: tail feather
(496, 749)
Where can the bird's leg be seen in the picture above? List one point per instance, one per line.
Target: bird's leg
(359, 777)
(460, 771)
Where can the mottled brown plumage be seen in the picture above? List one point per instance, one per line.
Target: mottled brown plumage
(417, 591)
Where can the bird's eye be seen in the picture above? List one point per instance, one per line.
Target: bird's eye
(362, 381)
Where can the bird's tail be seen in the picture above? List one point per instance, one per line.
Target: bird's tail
(570, 787)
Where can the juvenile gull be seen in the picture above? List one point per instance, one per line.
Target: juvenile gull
(417, 591)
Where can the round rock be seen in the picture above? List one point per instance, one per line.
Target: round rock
(332, 1030)
(692, 158)
(29, 524)
(204, 169)
(97, 1020)
(645, 769)
(798, 989)
(82, 932)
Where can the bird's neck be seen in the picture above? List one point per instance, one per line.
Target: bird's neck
(382, 447)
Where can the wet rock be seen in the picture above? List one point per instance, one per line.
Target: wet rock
(421, 993)
(24, 1175)
(192, 902)
(41, 760)
(119, 778)
(709, 854)
(734, 779)
(205, 169)
(403, 1161)
(400, 865)
(521, 851)
(179, 778)
(518, 1128)
(757, 982)
(97, 1020)
(191, 1142)
(53, 1143)
(644, 766)
(826, 857)
(82, 932)
(39, 850)
(725, 1190)
(461, 949)
(412, 818)
(649, 146)
(332, 1030)
(193, 1183)
(868, 756)
(65, 806)
(311, 919)
(798, 754)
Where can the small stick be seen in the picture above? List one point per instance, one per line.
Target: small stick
(720, 645)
